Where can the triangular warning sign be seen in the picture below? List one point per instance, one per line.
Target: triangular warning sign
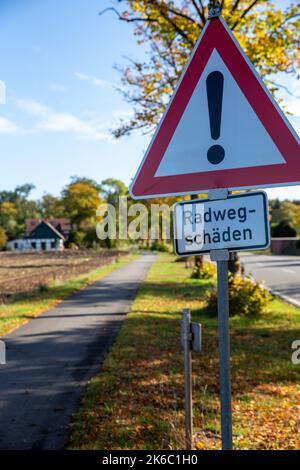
(222, 128)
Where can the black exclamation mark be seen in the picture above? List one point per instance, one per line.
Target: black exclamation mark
(214, 88)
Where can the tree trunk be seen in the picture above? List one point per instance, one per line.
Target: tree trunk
(234, 263)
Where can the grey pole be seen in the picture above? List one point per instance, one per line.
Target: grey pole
(222, 257)
(224, 347)
(2, 353)
(186, 342)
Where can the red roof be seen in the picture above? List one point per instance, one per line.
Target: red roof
(62, 224)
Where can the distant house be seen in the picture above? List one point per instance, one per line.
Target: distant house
(44, 237)
(62, 224)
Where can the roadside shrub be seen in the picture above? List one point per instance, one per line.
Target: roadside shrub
(75, 238)
(72, 246)
(42, 288)
(3, 238)
(246, 297)
(90, 239)
(161, 246)
(204, 271)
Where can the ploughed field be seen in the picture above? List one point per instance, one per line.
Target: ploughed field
(26, 272)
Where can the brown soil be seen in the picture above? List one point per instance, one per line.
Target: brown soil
(25, 272)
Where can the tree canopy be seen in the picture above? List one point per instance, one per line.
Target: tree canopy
(15, 207)
(111, 189)
(81, 201)
(169, 30)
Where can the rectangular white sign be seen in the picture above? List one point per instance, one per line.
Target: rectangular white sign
(240, 222)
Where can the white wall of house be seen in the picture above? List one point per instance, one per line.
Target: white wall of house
(47, 244)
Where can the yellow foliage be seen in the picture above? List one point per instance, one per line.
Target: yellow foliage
(268, 33)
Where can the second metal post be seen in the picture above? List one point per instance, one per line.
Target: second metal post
(186, 338)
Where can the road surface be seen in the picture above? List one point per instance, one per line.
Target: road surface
(280, 273)
(51, 359)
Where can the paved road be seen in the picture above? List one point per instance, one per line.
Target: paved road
(51, 358)
(280, 273)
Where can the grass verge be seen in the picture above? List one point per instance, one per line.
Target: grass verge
(23, 307)
(136, 402)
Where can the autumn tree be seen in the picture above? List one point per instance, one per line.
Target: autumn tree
(158, 219)
(169, 30)
(15, 208)
(285, 213)
(3, 238)
(8, 218)
(111, 189)
(51, 207)
(81, 200)
(89, 181)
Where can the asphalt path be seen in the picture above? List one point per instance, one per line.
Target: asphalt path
(51, 359)
(281, 273)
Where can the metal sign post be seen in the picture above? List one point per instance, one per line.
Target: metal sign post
(222, 257)
(186, 343)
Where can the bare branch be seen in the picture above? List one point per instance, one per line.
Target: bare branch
(127, 20)
(286, 20)
(283, 87)
(182, 15)
(289, 19)
(162, 12)
(199, 11)
(172, 23)
(252, 5)
(109, 9)
(235, 6)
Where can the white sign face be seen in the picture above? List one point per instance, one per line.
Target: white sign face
(237, 223)
(187, 149)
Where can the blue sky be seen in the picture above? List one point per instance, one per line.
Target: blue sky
(57, 59)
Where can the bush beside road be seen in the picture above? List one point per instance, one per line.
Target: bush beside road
(136, 402)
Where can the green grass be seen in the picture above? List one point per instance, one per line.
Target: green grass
(22, 308)
(136, 401)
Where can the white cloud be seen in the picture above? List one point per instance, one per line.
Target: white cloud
(293, 106)
(53, 121)
(32, 107)
(93, 80)
(65, 122)
(2, 92)
(7, 127)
